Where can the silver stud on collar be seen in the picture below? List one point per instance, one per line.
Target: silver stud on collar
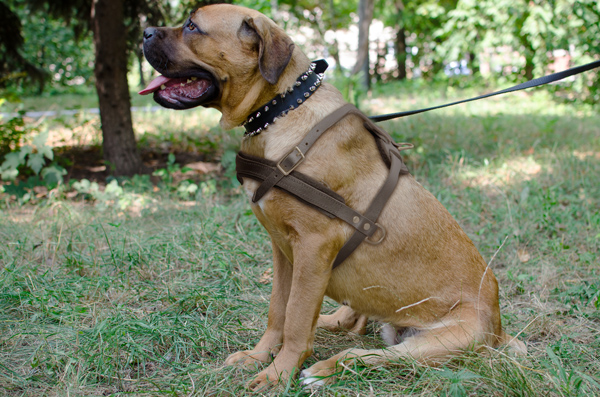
(270, 112)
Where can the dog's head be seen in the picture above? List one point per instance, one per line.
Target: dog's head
(224, 56)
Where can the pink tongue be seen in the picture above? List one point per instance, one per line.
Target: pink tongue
(154, 85)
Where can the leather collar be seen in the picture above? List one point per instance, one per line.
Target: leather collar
(281, 104)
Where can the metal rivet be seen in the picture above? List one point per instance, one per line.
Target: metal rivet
(367, 226)
(297, 84)
(266, 125)
(266, 108)
(291, 89)
(304, 77)
(356, 219)
(251, 119)
(299, 101)
(274, 102)
(306, 95)
(312, 88)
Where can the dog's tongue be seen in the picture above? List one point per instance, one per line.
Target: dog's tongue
(154, 85)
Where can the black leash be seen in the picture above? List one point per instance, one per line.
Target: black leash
(529, 84)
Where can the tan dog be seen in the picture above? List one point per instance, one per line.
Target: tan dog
(426, 279)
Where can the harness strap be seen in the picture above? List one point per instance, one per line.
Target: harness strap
(306, 189)
(296, 156)
(373, 212)
(282, 174)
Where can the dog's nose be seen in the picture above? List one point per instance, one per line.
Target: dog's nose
(149, 33)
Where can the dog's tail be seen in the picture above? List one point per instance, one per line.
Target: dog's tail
(514, 345)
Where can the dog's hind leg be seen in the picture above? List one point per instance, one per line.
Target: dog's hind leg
(270, 343)
(344, 319)
(431, 345)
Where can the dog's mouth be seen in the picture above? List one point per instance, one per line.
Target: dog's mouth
(181, 92)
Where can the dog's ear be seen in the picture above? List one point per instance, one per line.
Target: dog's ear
(274, 47)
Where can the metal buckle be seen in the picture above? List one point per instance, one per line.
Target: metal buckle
(383, 234)
(286, 173)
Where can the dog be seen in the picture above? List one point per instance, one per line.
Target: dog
(425, 280)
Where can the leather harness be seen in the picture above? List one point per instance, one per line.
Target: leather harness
(283, 175)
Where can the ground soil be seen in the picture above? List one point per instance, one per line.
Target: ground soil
(86, 162)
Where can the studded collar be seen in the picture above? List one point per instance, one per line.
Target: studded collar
(282, 103)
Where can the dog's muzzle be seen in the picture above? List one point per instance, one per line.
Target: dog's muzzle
(178, 87)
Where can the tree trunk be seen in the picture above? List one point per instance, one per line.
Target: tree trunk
(400, 44)
(110, 70)
(139, 54)
(334, 48)
(401, 52)
(365, 17)
(529, 65)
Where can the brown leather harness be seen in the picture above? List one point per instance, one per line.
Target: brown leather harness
(282, 174)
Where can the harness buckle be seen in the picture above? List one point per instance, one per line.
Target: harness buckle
(383, 234)
(297, 162)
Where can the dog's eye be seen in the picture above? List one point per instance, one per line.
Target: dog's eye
(191, 26)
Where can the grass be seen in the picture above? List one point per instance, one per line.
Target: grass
(147, 296)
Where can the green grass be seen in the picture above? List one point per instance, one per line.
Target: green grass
(83, 100)
(148, 296)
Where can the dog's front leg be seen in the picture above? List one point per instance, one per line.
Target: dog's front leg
(270, 342)
(310, 276)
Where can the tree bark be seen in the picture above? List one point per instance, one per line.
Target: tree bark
(334, 48)
(400, 43)
(401, 52)
(365, 17)
(110, 70)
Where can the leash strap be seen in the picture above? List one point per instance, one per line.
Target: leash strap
(283, 174)
(528, 84)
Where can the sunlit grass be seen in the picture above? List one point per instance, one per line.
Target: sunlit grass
(98, 298)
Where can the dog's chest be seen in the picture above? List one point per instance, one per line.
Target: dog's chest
(250, 187)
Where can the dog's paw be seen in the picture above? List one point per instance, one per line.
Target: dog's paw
(248, 358)
(266, 379)
(319, 374)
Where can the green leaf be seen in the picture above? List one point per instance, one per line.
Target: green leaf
(36, 161)
(11, 161)
(40, 140)
(53, 174)
(9, 174)
(24, 152)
